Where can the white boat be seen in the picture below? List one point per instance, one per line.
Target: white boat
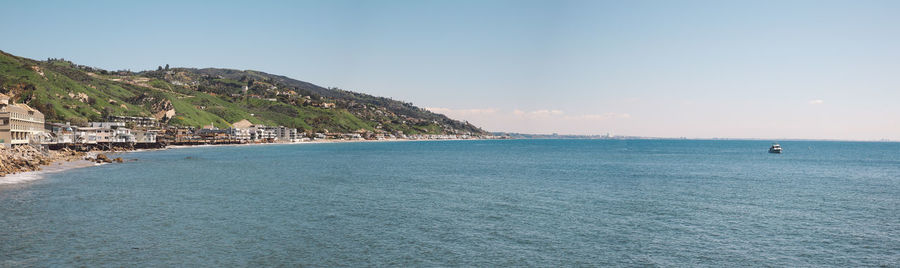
(775, 149)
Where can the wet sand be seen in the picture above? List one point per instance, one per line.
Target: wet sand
(52, 168)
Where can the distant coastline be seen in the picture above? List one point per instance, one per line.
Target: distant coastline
(514, 135)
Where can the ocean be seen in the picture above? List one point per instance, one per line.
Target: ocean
(547, 203)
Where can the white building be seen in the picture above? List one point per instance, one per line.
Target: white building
(262, 132)
(108, 132)
(242, 134)
(145, 136)
(61, 133)
(19, 123)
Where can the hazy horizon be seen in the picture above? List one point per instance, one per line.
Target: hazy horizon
(694, 69)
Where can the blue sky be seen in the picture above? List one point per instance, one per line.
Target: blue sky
(699, 69)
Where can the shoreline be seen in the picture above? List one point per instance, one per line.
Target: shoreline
(58, 163)
(55, 167)
(63, 164)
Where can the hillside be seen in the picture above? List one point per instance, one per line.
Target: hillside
(67, 92)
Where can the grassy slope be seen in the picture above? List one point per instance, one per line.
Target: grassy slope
(51, 92)
(394, 106)
(59, 94)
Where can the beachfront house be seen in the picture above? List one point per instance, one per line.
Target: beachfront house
(145, 136)
(241, 134)
(123, 135)
(19, 123)
(351, 136)
(61, 133)
(87, 135)
(112, 132)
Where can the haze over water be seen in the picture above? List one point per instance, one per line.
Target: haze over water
(467, 203)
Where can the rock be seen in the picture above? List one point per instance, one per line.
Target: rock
(119, 160)
(24, 158)
(102, 158)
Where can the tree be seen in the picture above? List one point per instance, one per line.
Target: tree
(167, 66)
(44, 108)
(106, 113)
(159, 68)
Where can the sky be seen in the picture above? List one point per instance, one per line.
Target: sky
(694, 69)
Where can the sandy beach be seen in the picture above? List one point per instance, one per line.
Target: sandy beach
(52, 168)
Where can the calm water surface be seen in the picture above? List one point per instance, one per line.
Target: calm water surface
(467, 203)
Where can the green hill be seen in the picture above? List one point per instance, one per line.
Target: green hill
(66, 92)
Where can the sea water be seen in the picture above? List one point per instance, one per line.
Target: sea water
(467, 203)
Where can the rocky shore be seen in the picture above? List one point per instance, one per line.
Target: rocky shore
(28, 158)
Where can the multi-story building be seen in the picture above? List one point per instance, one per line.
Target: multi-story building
(111, 132)
(262, 133)
(241, 134)
(286, 134)
(145, 136)
(93, 135)
(62, 133)
(19, 123)
(123, 135)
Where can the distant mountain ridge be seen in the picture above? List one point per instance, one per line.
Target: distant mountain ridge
(67, 92)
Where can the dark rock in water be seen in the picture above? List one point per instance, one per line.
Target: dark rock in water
(188, 157)
(119, 160)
